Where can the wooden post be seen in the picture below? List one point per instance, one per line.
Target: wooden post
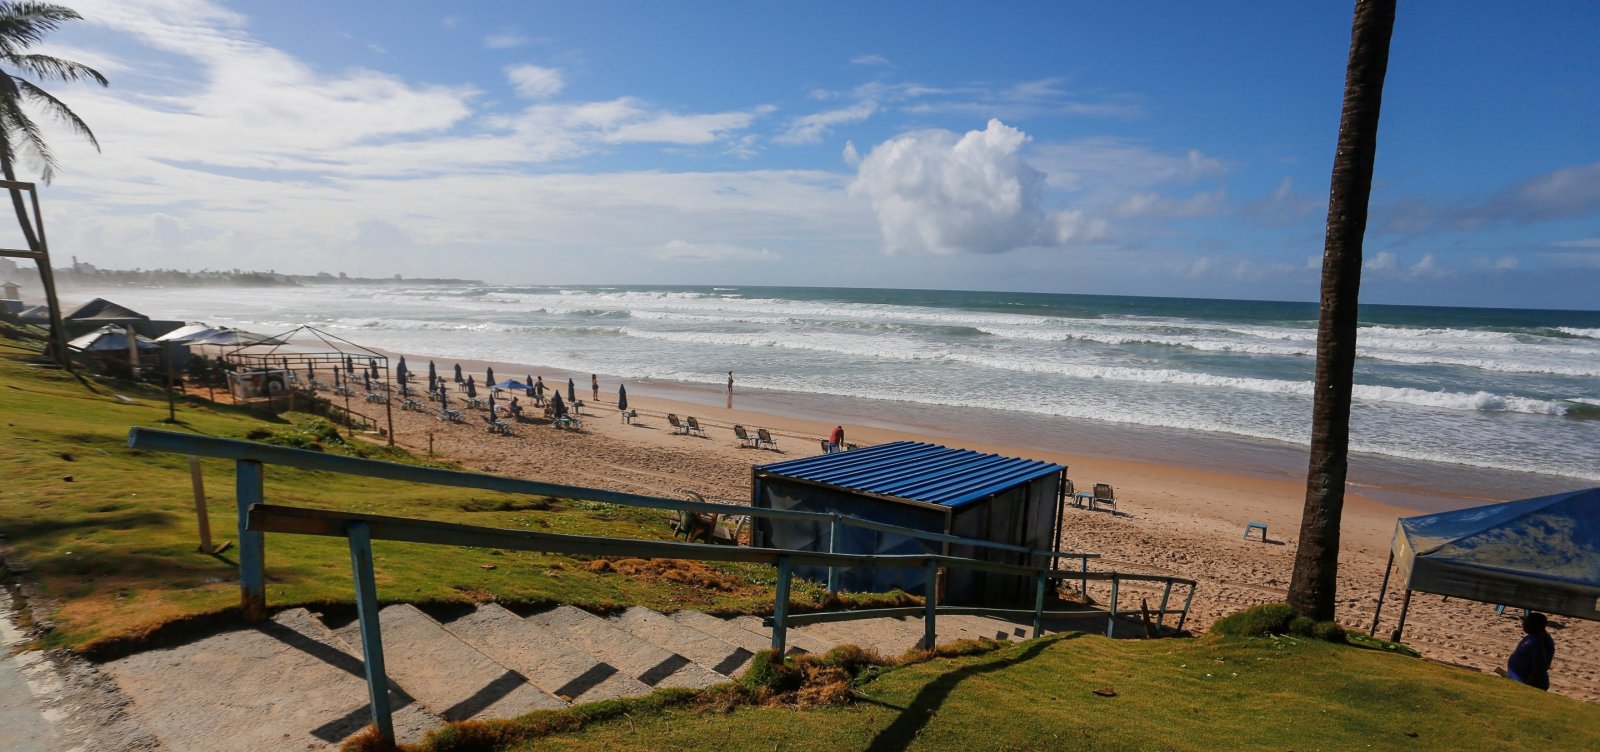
(834, 532)
(1161, 615)
(1111, 619)
(200, 505)
(371, 634)
(780, 607)
(1144, 616)
(1185, 615)
(430, 443)
(1038, 603)
(930, 605)
(1382, 590)
(1405, 605)
(249, 481)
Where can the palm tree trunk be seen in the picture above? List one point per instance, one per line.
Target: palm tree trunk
(47, 276)
(1316, 564)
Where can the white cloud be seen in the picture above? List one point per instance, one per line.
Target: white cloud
(945, 193)
(535, 82)
(1578, 243)
(1383, 261)
(1156, 206)
(810, 129)
(504, 41)
(684, 251)
(1507, 263)
(869, 60)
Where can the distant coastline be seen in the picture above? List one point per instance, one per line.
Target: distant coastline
(84, 275)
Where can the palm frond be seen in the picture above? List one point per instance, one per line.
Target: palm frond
(58, 108)
(18, 126)
(55, 68)
(23, 24)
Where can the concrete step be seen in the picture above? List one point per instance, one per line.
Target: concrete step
(888, 636)
(705, 649)
(794, 641)
(728, 631)
(632, 655)
(289, 683)
(444, 673)
(549, 663)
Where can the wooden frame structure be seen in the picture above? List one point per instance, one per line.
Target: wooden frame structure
(340, 352)
(39, 252)
(255, 518)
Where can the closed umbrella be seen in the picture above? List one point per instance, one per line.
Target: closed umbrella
(491, 403)
(311, 371)
(529, 382)
(400, 371)
(622, 397)
(349, 364)
(336, 381)
(372, 368)
(458, 374)
(488, 376)
(433, 378)
(472, 389)
(557, 409)
(572, 390)
(366, 380)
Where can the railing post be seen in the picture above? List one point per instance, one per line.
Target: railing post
(1111, 620)
(1185, 615)
(371, 635)
(248, 484)
(1161, 614)
(1038, 603)
(930, 605)
(835, 530)
(201, 516)
(780, 607)
(1083, 578)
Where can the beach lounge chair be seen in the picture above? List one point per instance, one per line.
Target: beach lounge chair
(677, 425)
(693, 426)
(763, 437)
(498, 426)
(454, 416)
(411, 404)
(744, 436)
(1102, 497)
(1069, 491)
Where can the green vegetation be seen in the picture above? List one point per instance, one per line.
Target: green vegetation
(111, 535)
(1270, 619)
(1084, 692)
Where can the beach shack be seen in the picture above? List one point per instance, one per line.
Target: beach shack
(922, 486)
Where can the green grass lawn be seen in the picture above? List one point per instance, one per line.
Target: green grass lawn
(1206, 694)
(111, 532)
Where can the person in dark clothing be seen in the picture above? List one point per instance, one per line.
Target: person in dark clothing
(1530, 662)
(594, 386)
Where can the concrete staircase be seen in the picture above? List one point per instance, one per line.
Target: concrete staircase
(297, 682)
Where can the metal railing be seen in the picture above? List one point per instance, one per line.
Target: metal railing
(255, 518)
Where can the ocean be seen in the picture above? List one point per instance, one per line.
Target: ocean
(1511, 390)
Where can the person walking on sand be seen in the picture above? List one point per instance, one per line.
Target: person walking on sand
(594, 385)
(836, 439)
(1530, 662)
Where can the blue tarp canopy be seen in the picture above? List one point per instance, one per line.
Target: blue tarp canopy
(915, 471)
(511, 384)
(1540, 554)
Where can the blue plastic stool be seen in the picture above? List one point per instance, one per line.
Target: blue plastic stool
(1262, 526)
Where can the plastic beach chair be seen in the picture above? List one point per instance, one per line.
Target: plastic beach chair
(762, 437)
(744, 436)
(693, 426)
(677, 425)
(1102, 497)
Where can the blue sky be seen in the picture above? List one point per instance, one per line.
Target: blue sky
(1161, 149)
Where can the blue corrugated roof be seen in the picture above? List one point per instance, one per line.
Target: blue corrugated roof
(916, 471)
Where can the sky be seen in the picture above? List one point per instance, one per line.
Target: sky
(1164, 148)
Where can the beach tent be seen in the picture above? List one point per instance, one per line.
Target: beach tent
(187, 333)
(1540, 554)
(110, 339)
(229, 337)
(923, 486)
(622, 397)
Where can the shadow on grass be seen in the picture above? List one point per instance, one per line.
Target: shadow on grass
(29, 530)
(911, 720)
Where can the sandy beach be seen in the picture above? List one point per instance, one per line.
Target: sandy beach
(1171, 518)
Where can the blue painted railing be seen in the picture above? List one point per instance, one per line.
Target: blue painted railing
(255, 518)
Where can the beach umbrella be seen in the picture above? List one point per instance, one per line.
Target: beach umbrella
(530, 386)
(372, 368)
(458, 374)
(336, 381)
(433, 377)
(472, 389)
(491, 403)
(311, 371)
(349, 364)
(572, 390)
(366, 380)
(400, 371)
(622, 397)
(405, 391)
(556, 407)
(488, 376)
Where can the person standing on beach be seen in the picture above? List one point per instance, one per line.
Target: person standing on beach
(730, 383)
(836, 440)
(1530, 662)
(594, 385)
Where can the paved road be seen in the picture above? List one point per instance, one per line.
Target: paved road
(23, 727)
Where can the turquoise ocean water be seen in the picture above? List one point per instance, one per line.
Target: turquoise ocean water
(1515, 390)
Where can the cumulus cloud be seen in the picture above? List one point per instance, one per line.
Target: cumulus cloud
(945, 193)
(684, 251)
(1382, 262)
(534, 82)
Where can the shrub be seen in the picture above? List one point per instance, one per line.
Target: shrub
(1302, 626)
(769, 671)
(1256, 621)
(1329, 631)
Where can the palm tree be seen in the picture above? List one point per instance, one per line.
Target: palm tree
(1316, 563)
(22, 25)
